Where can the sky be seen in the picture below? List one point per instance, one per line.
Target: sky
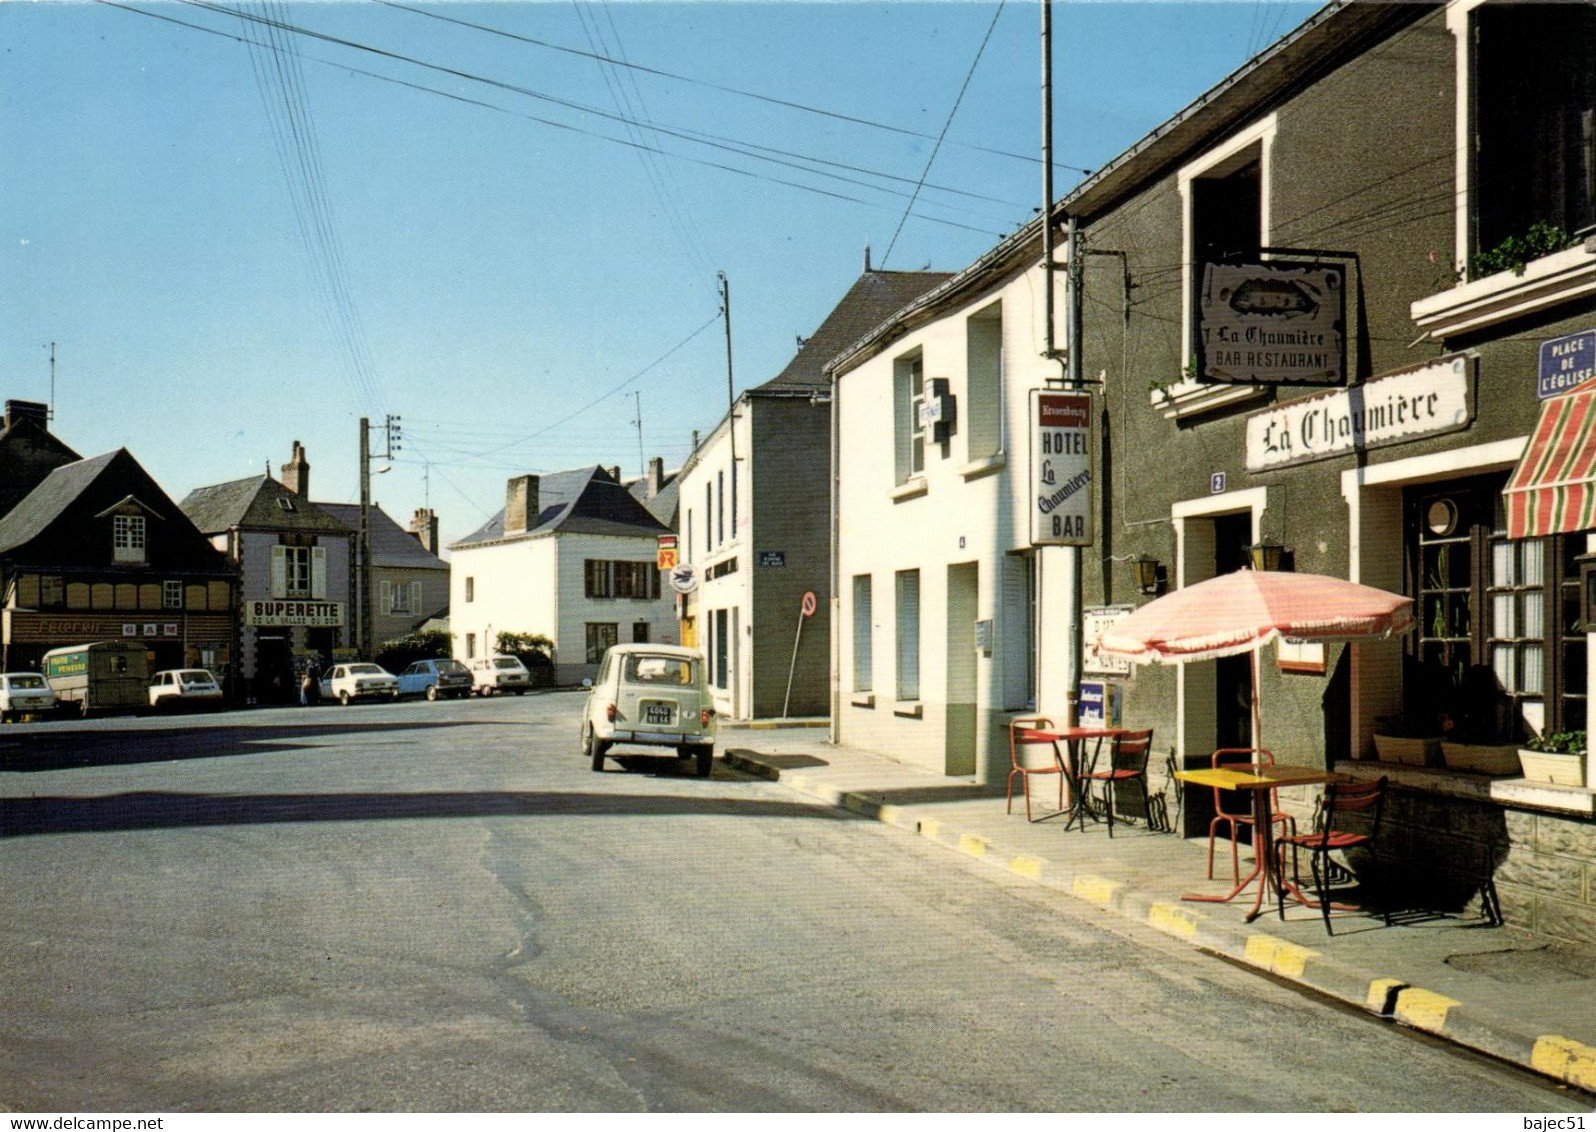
(244, 223)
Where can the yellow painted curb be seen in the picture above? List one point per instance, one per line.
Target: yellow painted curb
(1027, 867)
(889, 813)
(930, 827)
(1278, 955)
(1380, 993)
(1173, 919)
(971, 845)
(1565, 1059)
(1099, 890)
(1423, 1009)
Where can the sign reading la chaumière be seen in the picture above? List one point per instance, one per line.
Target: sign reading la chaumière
(1431, 398)
(1274, 323)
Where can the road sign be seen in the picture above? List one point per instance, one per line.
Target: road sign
(810, 603)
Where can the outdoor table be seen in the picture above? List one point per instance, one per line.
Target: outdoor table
(1075, 737)
(1261, 781)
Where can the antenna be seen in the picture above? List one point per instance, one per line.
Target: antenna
(50, 415)
(642, 463)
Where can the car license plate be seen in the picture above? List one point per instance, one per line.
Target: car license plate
(659, 713)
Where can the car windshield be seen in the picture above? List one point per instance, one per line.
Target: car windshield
(452, 667)
(364, 670)
(195, 677)
(27, 681)
(507, 662)
(644, 669)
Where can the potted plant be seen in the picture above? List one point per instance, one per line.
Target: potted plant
(1557, 759)
(1398, 739)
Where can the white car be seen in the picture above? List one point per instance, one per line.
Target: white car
(359, 681)
(494, 675)
(24, 693)
(651, 696)
(184, 687)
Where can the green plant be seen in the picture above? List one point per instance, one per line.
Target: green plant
(399, 653)
(1559, 743)
(1515, 253)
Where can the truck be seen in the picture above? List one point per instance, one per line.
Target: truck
(104, 676)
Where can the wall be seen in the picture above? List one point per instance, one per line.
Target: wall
(513, 589)
(574, 609)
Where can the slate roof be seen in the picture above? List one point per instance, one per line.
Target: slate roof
(874, 297)
(391, 545)
(252, 504)
(583, 501)
(663, 505)
(45, 503)
(28, 453)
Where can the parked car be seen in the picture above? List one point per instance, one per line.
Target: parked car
(651, 696)
(435, 678)
(101, 676)
(24, 693)
(359, 681)
(492, 675)
(184, 687)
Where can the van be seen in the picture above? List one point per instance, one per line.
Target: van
(99, 677)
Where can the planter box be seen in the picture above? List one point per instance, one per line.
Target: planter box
(1480, 758)
(1402, 749)
(1553, 769)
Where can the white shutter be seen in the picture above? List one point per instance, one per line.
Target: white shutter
(318, 571)
(415, 599)
(385, 596)
(908, 634)
(279, 571)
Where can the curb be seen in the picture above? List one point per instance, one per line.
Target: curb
(1552, 1055)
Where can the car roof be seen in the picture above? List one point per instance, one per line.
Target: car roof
(657, 650)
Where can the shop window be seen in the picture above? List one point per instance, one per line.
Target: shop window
(984, 382)
(862, 657)
(908, 635)
(908, 394)
(1535, 123)
(601, 636)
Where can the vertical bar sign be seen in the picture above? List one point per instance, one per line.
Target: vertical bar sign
(1061, 468)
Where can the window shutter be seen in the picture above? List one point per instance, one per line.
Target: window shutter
(1014, 632)
(415, 599)
(279, 571)
(318, 571)
(385, 596)
(908, 635)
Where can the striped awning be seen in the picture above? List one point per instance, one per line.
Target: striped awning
(1553, 489)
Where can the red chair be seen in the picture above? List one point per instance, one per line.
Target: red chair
(1018, 732)
(1127, 763)
(1231, 756)
(1366, 800)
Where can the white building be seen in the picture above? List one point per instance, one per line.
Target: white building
(941, 599)
(572, 557)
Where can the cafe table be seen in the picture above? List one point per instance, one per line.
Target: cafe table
(1076, 738)
(1261, 782)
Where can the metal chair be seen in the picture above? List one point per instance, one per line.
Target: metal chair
(1127, 763)
(1231, 756)
(1366, 800)
(1017, 739)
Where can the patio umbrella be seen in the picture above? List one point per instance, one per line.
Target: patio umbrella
(1243, 611)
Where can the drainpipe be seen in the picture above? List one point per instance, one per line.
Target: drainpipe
(836, 585)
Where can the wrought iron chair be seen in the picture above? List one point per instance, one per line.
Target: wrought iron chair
(1365, 800)
(1018, 729)
(1127, 764)
(1231, 756)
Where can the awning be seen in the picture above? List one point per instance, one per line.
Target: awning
(1553, 489)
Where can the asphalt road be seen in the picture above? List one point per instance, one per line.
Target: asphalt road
(439, 907)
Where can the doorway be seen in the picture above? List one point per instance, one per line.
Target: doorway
(1232, 674)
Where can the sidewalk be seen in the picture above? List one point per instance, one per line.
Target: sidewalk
(1498, 990)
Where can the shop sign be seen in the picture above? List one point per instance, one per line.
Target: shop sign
(684, 577)
(1095, 621)
(1061, 468)
(315, 614)
(1275, 323)
(1428, 399)
(665, 557)
(1566, 364)
(38, 628)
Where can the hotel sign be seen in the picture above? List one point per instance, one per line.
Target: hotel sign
(1428, 399)
(1061, 468)
(1274, 323)
(274, 612)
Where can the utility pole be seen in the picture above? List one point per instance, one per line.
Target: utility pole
(731, 395)
(391, 435)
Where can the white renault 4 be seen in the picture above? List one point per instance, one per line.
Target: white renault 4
(651, 696)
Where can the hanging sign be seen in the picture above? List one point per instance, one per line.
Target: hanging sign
(1061, 468)
(665, 556)
(684, 577)
(1272, 323)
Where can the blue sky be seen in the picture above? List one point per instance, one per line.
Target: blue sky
(235, 247)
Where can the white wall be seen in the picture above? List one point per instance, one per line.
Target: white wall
(513, 590)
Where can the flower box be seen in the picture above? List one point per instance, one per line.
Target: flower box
(1553, 768)
(1410, 750)
(1480, 758)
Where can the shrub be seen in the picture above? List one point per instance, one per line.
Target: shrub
(401, 652)
(1560, 743)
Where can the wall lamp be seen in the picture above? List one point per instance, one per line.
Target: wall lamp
(1267, 555)
(1146, 571)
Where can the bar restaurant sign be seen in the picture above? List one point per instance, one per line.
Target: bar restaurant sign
(316, 614)
(1428, 399)
(1061, 468)
(1274, 323)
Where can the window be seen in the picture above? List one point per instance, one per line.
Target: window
(862, 659)
(709, 516)
(597, 578)
(299, 571)
(471, 589)
(52, 592)
(399, 597)
(605, 578)
(640, 632)
(908, 603)
(687, 550)
(720, 506)
(722, 648)
(1016, 637)
(600, 637)
(470, 645)
(908, 394)
(984, 383)
(171, 595)
(127, 538)
(1535, 141)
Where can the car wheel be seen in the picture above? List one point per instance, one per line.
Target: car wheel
(706, 761)
(594, 748)
(432, 692)
(520, 691)
(343, 698)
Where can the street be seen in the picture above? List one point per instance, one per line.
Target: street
(440, 907)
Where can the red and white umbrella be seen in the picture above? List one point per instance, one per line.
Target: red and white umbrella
(1243, 611)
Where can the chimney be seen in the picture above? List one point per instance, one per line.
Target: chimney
(296, 473)
(36, 411)
(614, 471)
(867, 259)
(424, 525)
(656, 476)
(695, 440)
(520, 505)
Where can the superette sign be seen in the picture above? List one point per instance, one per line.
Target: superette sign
(1061, 468)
